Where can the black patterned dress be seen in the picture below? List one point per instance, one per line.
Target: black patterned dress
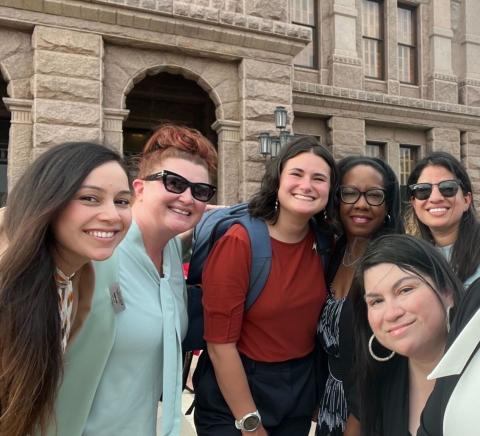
(335, 334)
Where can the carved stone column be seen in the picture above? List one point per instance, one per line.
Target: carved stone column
(20, 143)
(113, 127)
(228, 181)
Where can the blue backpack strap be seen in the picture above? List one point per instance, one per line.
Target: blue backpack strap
(261, 249)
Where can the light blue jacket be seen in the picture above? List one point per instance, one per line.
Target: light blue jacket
(88, 354)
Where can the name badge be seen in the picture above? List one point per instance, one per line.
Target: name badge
(117, 298)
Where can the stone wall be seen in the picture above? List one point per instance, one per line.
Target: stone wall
(264, 86)
(67, 87)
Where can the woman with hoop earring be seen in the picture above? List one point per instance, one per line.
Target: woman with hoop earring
(369, 205)
(402, 296)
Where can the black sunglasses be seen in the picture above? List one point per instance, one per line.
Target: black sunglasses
(177, 184)
(422, 191)
(350, 195)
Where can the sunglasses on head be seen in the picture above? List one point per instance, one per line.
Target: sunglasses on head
(422, 191)
(177, 184)
(350, 195)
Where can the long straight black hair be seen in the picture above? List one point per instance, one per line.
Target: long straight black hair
(30, 335)
(414, 256)
(465, 257)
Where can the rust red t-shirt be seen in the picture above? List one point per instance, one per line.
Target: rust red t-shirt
(282, 323)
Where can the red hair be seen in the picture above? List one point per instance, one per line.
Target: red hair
(171, 140)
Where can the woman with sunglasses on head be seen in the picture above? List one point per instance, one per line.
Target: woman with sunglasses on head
(441, 198)
(71, 206)
(144, 359)
(258, 375)
(402, 297)
(369, 205)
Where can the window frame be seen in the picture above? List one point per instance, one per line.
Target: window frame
(314, 29)
(380, 40)
(381, 146)
(413, 161)
(414, 47)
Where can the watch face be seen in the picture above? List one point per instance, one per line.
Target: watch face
(251, 423)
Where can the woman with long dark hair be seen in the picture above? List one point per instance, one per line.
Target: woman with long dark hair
(257, 375)
(403, 295)
(442, 201)
(369, 205)
(71, 206)
(131, 351)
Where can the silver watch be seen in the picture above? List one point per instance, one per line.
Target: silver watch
(250, 422)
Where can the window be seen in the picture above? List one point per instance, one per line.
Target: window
(303, 13)
(375, 149)
(407, 65)
(408, 160)
(372, 19)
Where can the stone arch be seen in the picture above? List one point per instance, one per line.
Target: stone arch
(126, 66)
(16, 62)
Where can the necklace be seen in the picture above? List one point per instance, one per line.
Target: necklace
(347, 259)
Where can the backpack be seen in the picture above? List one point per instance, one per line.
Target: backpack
(211, 227)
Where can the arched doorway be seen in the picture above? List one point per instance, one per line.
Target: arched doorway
(161, 98)
(4, 130)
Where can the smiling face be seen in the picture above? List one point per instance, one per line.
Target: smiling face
(404, 312)
(442, 215)
(95, 220)
(361, 219)
(304, 186)
(170, 213)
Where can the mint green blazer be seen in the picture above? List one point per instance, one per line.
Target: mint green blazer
(86, 356)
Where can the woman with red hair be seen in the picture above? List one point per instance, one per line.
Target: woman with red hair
(142, 360)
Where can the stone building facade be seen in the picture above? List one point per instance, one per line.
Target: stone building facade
(390, 78)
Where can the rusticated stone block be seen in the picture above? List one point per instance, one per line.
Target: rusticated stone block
(66, 64)
(13, 41)
(441, 134)
(67, 113)
(262, 90)
(20, 88)
(259, 110)
(48, 135)
(66, 88)
(444, 91)
(348, 124)
(66, 41)
(254, 170)
(267, 71)
(165, 6)
(274, 9)
(19, 65)
(347, 76)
